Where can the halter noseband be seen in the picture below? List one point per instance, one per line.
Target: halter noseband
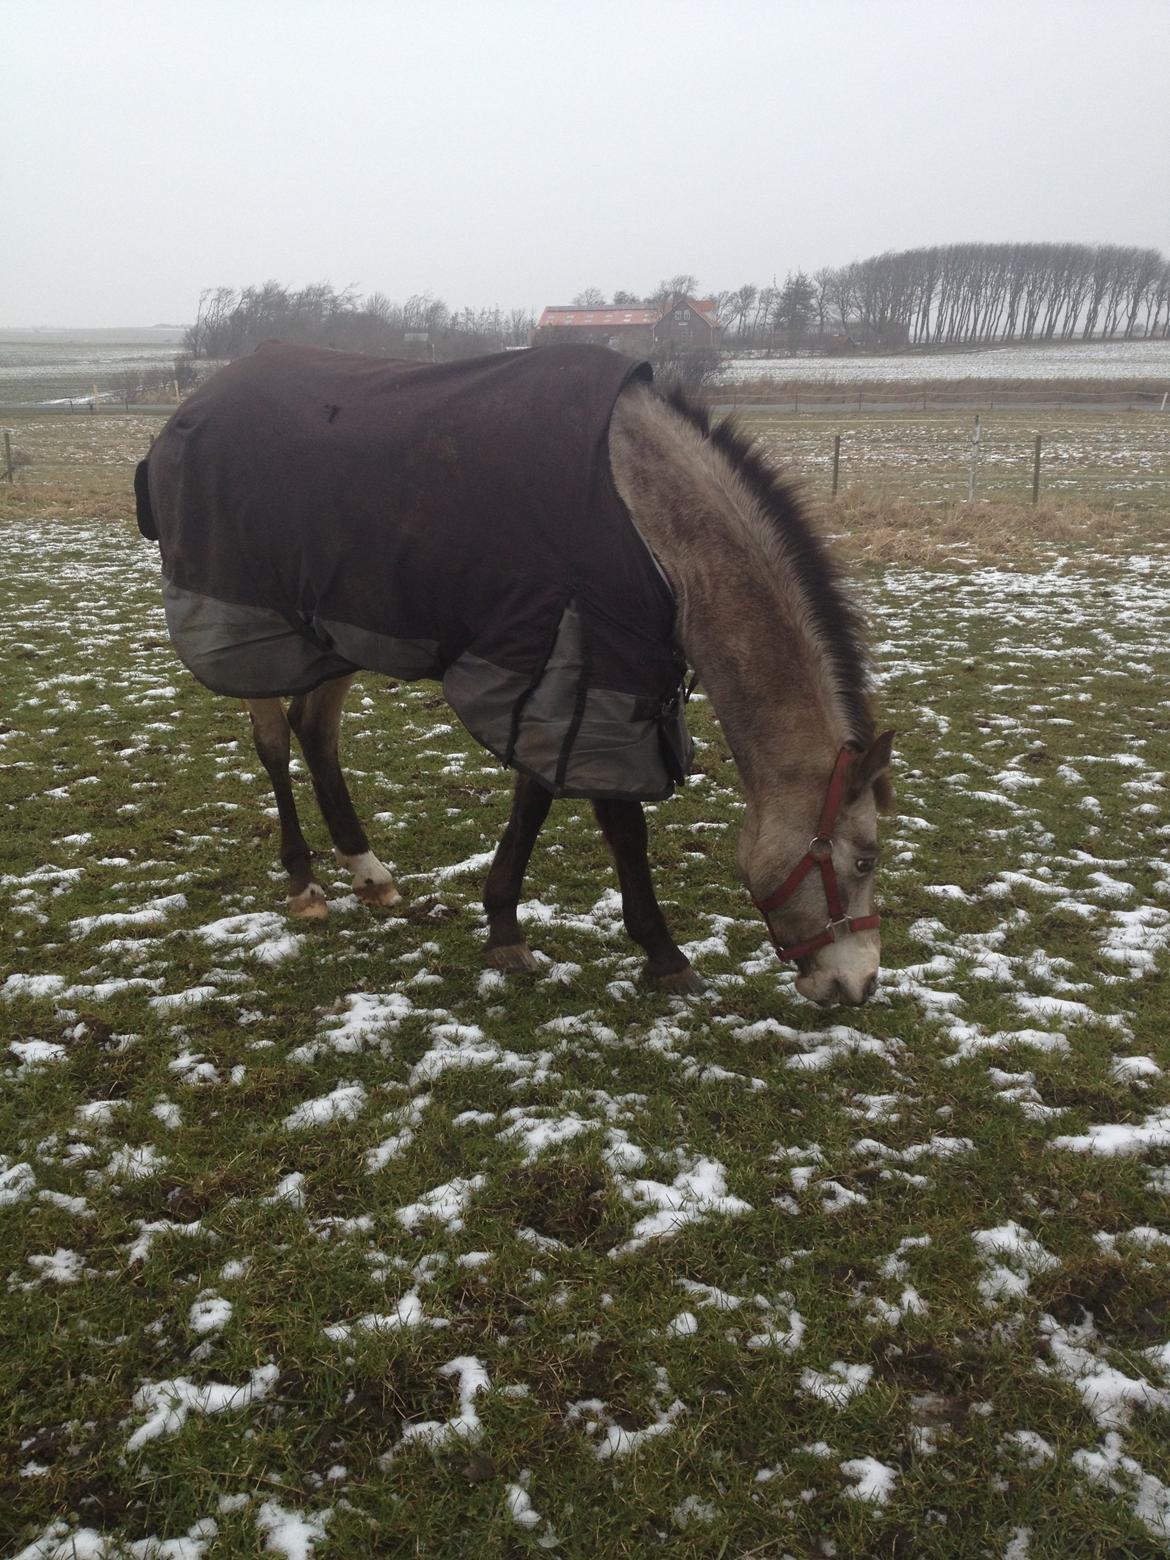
(820, 854)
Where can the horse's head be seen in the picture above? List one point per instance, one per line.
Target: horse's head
(811, 866)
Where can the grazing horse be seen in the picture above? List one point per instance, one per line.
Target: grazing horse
(555, 541)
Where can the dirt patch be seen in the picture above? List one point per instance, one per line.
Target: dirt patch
(573, 1203)
(1130, 1299)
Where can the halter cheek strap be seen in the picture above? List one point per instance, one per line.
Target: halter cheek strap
(820, 855)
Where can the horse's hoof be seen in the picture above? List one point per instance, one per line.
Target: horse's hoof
(310, 904)
(382, 895)
(515, 957)
(686, 982)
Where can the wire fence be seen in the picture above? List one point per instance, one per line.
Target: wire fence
(1104, 462)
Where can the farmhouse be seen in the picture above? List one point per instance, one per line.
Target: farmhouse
(680, 320)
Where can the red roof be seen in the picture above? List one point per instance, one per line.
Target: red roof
(607, 318)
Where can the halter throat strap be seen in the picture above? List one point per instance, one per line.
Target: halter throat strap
(820, 855)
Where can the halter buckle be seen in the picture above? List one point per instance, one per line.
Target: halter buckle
(820, 848)
(832, 927)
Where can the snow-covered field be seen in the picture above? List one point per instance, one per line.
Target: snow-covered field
(1104, 360)
(322, 1240)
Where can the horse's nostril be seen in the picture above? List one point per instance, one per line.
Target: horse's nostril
(870, 987)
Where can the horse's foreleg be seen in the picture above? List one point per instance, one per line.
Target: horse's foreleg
(506, 947)
(270, 732)
(316, 719)
(667, 967)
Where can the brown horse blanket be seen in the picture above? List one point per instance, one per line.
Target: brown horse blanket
(319, 512)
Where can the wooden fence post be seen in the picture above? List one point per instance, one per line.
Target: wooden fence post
(1036, 474)
(974, 481)
(836, 461)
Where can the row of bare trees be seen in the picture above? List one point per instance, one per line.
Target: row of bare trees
(233, 321)
(961, 294)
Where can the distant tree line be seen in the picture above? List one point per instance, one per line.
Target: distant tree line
(950, 295)
(231, 322)
(961, 294)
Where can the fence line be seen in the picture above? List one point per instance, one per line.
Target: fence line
(993, 399)
(972, 467)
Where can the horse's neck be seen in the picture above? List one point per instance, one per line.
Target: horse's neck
(762, 688)
(740, 619)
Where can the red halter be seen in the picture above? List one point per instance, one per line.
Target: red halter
(820, 854)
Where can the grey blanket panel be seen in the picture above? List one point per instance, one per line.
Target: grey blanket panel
(246, 652)
(617, 751)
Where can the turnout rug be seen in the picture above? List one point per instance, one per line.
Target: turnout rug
(318, 512)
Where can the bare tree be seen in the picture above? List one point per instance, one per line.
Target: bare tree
(684, 285)
(519, 329)
(822, 284)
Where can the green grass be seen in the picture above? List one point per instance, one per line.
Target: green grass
(136, 785)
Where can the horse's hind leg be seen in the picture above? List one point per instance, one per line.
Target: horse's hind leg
(270, 732)
(667, 968)
(506, 947)
(316, 719)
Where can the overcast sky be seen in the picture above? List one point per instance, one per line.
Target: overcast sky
(513, 152)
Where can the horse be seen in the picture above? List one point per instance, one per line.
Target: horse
(557, 541)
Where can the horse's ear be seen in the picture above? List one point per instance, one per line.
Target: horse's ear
(872, 768)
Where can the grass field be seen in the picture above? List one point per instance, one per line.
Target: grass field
(318, 1240)
(39, 366)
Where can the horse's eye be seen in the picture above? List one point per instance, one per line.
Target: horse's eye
(864, 865)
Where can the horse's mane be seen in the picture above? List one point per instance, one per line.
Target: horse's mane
(834, 616)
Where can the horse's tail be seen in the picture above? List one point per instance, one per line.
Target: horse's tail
(146, 521)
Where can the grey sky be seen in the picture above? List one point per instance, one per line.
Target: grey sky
(512, 153)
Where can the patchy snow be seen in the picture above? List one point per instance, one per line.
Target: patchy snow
(1120, 1140)
(344, 1103)
(589, 1177)
(168, 1404)
(694, 1194)
(470, 1379)
(838, 1384)
(408, 1312)
(444, 1204)
(289, 1532)
(1011, 1257)
(871, 1480)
